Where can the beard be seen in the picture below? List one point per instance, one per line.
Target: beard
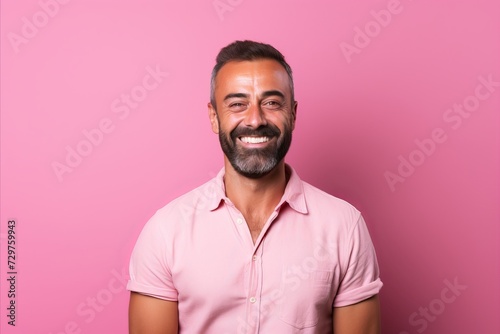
(256, 162)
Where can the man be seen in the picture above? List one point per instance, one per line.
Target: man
(255, 250)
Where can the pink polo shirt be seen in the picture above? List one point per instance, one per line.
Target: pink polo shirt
(314, 253)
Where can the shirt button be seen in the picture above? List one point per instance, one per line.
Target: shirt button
(239, 221)
(254, 257)
(253, 300)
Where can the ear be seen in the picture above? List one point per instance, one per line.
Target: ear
(294, 113)
(212, 115)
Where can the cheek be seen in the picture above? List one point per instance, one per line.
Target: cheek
(286, 122)
(230, 122)
(224, 122)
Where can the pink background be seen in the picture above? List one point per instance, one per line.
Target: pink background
(358, 113)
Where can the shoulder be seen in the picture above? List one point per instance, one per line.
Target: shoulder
(319, 201)
(195, 201)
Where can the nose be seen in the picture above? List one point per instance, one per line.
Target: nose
(255, 117)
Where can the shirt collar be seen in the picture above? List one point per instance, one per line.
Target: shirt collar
(294, 192)
(219, 191)
(293, 195)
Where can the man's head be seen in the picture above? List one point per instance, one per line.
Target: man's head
(252, 106)
(249, 51)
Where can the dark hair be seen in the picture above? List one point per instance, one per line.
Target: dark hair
(247, 50)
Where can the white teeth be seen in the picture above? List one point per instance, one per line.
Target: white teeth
(254, 140)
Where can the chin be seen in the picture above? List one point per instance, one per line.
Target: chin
(256, 171)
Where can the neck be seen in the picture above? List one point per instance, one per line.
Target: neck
(255, 195)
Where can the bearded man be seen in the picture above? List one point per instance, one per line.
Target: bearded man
(256, 249)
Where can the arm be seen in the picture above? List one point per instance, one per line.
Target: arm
(360, 318)
(149, 315)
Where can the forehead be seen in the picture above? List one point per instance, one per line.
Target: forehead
(262, 74)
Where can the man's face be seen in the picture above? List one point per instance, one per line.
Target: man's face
(255, 115)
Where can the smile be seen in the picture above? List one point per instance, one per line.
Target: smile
(255, 140)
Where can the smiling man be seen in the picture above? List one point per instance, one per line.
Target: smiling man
(256, 249)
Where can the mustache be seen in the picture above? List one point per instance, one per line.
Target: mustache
(261, 131)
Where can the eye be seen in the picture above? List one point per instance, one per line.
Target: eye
(237, 106)
(272, 104)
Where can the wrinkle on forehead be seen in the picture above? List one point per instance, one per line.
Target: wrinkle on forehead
(254, 77)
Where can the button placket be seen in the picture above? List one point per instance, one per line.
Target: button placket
(253, 281)
(254, 292)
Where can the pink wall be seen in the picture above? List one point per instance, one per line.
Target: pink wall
(398, 114)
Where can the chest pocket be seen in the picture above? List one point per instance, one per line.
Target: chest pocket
(307, 297)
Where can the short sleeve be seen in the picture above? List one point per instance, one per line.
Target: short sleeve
(360, 268)
(149, 268)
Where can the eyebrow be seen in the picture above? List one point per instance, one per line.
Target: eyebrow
(267, 93)
(273, 93)
(233, 95)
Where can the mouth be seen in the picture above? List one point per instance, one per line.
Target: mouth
(254, 140)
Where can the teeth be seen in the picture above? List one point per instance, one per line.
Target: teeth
(254, 140)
